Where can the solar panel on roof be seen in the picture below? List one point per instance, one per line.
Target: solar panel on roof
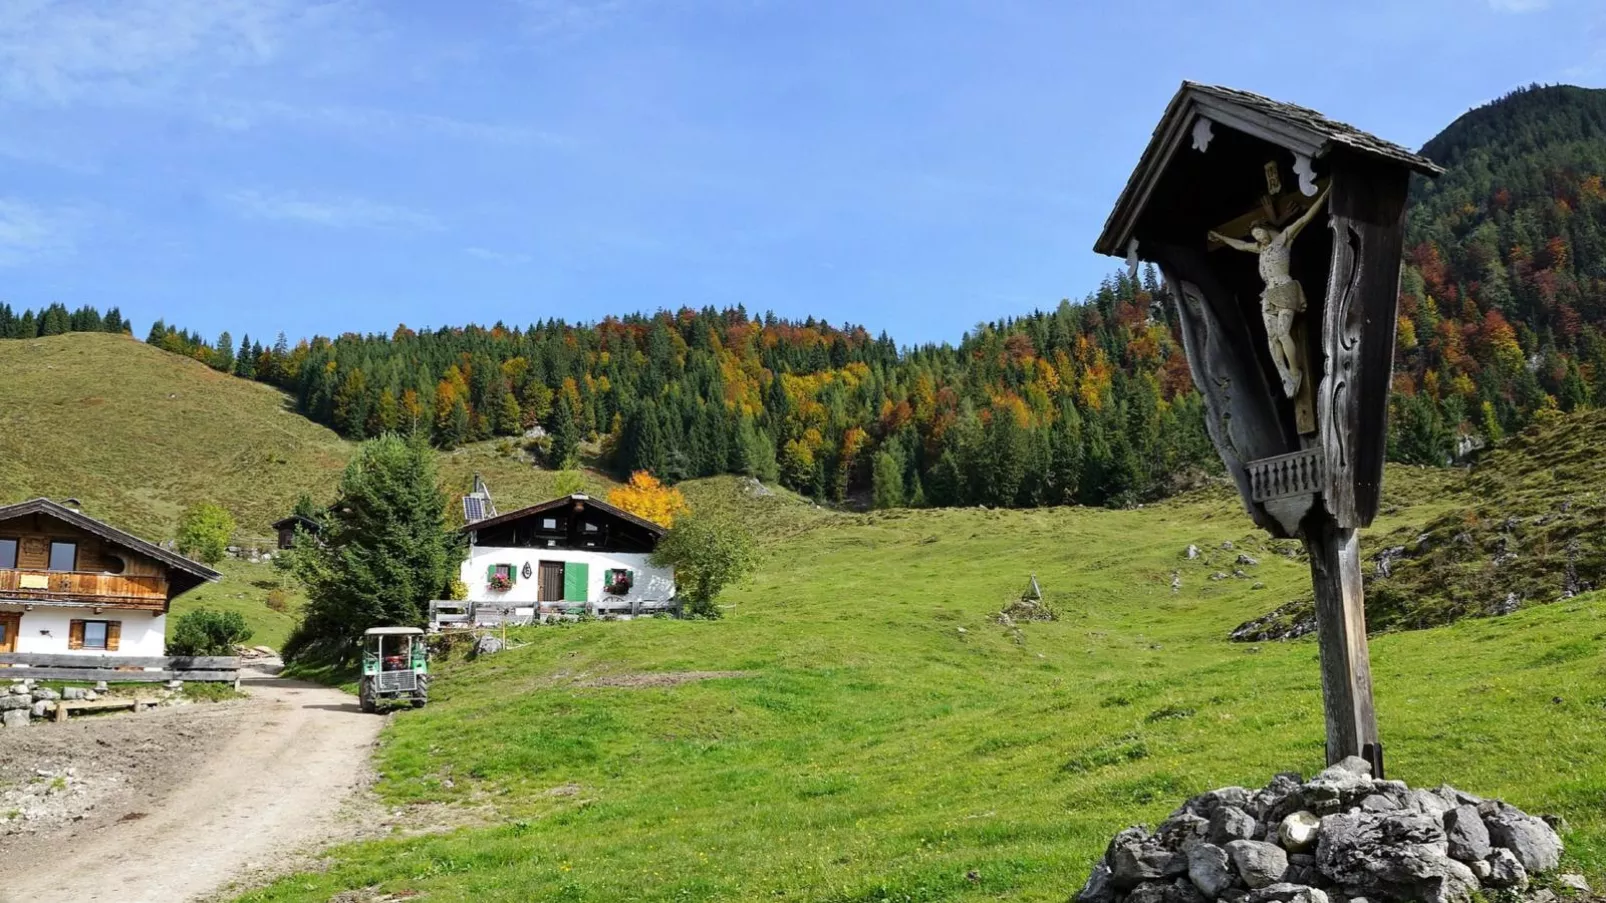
(473, 510)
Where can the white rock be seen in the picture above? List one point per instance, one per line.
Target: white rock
(1298, 832)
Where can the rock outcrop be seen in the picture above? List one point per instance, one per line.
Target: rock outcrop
(1340, 836)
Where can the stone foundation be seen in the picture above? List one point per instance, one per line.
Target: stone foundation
(1341, 837)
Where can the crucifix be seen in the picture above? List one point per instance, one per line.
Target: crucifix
(1293, 357)
(1273, 225)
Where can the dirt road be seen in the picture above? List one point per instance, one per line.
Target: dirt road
(187, 798)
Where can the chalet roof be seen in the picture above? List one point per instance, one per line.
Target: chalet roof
(1299, 129)
(561, 501)
(110, 534)
(298, 520)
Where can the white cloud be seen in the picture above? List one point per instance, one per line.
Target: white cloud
(30, 233)
(1518, 6)
(553, 18)
(495, 256)
(334, 213)
(56, 53)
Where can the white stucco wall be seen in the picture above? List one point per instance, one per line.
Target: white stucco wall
(44, 629)
(652, 584)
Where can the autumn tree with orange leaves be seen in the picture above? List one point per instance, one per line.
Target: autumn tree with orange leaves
(646, 497)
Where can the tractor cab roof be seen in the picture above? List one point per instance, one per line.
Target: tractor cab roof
(393, 631)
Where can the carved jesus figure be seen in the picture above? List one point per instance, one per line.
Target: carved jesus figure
(1283, 297)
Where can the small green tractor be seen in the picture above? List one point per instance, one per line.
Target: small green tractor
(395, 667)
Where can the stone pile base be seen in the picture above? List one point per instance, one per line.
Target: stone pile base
(1340, 837)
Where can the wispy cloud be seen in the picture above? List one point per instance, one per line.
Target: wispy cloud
(495, 256)
(370, 123)
(561, 18)
(55, 53)
(29, 233)
(1518, 6)
(334, 213)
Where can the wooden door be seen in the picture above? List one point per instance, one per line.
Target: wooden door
(9, 625)
(551, 587)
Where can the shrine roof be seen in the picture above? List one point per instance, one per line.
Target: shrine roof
(1300, 130)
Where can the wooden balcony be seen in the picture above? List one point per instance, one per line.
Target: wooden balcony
(72, 586)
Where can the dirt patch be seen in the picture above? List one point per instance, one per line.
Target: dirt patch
(658, 679)
(63, 780)
(235, 790)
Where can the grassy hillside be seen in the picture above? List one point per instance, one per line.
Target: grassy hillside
(137, 434)
(1525, 526)
(862, 727)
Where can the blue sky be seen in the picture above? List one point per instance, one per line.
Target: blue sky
(267, 165)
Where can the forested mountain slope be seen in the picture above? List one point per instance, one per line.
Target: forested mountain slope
(138, 434)
(1503, 300)
(1502, 316)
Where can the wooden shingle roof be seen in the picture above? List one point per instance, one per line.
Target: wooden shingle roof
(1300, 130)
(195, 571)
(561, 501)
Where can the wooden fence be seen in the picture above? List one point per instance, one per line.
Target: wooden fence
(120, 668)
(446, 615)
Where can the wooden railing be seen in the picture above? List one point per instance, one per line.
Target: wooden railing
(114, 668)
(18, 583)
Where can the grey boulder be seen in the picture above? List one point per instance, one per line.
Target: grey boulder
(1505, 870)
(1135, 857)
(1469, 839)
(7, 703)
(1099, 888)
(14, 718)
(1396, 855)
(1258, 863)
(1287, 892)
(1208, 869)
(1230, 823)
(1535, 843)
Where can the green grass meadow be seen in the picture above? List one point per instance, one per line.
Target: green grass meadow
(889, 740)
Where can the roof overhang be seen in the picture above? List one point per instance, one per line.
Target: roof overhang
(1301, 131)
(560, 502)
(189, 574)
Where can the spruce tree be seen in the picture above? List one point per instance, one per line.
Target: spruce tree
(244, 362)
(564, 431)
(386, 550)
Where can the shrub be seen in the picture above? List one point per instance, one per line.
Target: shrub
(708, 554)
(208, 632)
(204, 532)
(278, 600)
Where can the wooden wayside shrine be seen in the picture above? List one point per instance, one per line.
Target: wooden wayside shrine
(1292, 344)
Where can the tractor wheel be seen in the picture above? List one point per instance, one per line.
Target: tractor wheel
(365, 698)
(418, 701)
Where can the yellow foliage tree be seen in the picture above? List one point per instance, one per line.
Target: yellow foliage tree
(647, 498)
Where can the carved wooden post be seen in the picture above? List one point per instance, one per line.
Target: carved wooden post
(1311, 465)
(1335, 569)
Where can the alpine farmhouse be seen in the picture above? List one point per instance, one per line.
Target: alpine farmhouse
(70, 584)
(571, 555)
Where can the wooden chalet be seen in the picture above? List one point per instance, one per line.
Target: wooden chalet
(72, 584)
(569, 555)
(287, 527)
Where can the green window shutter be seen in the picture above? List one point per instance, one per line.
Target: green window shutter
(490, 572)
(575, 577)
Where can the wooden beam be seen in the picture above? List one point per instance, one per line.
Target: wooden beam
(167, 662)
(111, 675)
(1335, 570)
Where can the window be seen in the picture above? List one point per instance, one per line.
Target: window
(8, 553)
(63, 556)
(549, 523)
(590, 527)
(101, 635)
(94, 634)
